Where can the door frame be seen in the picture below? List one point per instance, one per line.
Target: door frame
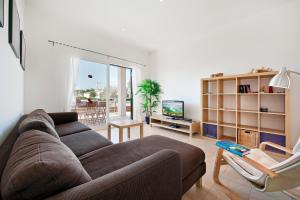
(131, 87)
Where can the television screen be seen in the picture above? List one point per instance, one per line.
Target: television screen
(173, 108)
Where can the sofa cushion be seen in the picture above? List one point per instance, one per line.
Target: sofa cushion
(37, 122)
(64, 117)
(70, 128)
(43, 114)
(39, 166)
(123, 154)
(85, 142)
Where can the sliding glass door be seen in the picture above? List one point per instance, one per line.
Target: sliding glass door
(103, 92)
(120, 87)
(90, 93)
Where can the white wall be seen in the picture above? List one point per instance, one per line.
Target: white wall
(45, 77)
(11, 80)
(268, 38)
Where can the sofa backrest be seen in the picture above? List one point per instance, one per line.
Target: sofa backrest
(6, 147)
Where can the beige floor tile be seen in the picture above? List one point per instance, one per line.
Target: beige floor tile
(256, 195)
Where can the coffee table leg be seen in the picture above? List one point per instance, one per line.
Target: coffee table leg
(109, 131)
(128, 133)
(199, 183)
(120, 135)
(141, 130)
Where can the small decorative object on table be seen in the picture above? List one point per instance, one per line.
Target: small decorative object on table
(263, 109)
(216, 75)
(233, 148)
(271, 89)
(188, 120)
(242, 89)
(267, 89)
(245, 89)
(261, 70)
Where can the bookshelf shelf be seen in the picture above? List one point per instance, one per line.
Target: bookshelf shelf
(229, 94)
(262, 93)
(228, 125)
(209, 94)
(248, 111)
(210, 122)
(211, 109)
(230, 138)
(247, 94)
(272, 131)
(226, 111)
(247, 127)
(273, 113)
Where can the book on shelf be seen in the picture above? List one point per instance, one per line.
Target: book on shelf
(233, 148)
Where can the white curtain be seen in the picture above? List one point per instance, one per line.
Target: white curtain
(70, 100)
(136, 79)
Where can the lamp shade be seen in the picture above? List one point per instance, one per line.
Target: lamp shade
(281, 80)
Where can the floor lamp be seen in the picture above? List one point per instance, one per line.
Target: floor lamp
(282, 79)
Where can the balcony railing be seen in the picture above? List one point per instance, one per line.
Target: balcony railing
(95, 111)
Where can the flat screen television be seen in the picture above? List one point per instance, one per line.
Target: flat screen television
(174, 109)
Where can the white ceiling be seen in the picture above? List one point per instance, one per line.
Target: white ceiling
(151, 24)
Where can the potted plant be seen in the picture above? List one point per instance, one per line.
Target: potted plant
(150, 92)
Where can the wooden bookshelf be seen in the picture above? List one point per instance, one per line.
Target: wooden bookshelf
(226, 111)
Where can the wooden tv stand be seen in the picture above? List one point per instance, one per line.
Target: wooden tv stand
(184, 126)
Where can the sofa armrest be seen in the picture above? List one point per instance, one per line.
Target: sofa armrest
(64, 117)
(155, 177)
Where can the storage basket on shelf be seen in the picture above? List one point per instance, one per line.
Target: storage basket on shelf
(248, 138)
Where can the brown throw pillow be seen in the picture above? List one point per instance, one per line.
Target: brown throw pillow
(37, 122)
(39, 166)
(44, 114)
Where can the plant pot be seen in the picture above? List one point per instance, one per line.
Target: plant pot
(147, 119)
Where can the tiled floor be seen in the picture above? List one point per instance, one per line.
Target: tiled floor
(228, 176)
